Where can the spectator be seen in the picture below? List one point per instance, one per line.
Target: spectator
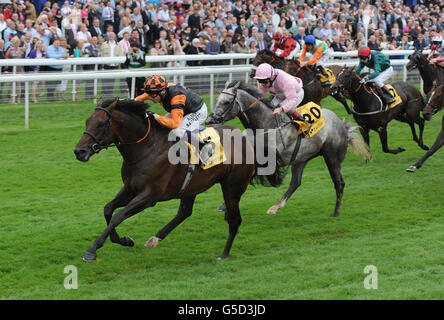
(421, 43)
(240, 47)
(213, 48)
(61, 88)
(83, 33)
(372, 43)
(174, 48)
(38, 52)
(90, 50)
(110, 49)
(157, 50)
(135, 59)
(124, 43)
(9, 33)
(95, 29)
(15, 51)
(252, 46)
(54, 51)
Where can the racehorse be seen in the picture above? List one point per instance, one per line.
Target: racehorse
(243, 101)
(313, 89)
(429, 72)
(434, 104)
(369, 112)
(149, 176)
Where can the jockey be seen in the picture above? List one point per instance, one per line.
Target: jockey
(187, 111)
(287, 90)
(437, 51)
(377, 61)
(320, 52)
(287, 45)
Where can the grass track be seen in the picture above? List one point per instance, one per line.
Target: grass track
(52, 210)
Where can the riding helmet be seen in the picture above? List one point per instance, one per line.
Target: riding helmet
(264, 71)
(309, 39)
(364, 52)
(155, 83)
(277, 35)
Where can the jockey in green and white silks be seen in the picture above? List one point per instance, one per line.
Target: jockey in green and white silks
(382, 70)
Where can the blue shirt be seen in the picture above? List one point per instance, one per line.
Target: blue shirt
(53, 53)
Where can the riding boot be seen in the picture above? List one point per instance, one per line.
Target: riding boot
(206, 147)
(387, 96)
(325, 74)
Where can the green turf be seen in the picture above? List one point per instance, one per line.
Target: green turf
(52, 210)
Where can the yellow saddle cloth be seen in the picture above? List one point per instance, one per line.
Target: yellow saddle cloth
(331, 77)
(311, 112)
(210, 134)
(398, 99)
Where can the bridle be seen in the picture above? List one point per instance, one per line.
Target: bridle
(435, 108)
(100, 144)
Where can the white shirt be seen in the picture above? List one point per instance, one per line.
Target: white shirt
(83, 35)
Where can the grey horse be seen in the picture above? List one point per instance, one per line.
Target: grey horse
(243, 101)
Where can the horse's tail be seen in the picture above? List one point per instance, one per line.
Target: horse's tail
(274, 180)
(356, 142)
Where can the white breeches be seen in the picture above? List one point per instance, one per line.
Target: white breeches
(278, 102)
(191, 121)
(383, 77)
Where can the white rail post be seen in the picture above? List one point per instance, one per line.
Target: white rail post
(133, 87)
(96, 68)
(230, 76)
(212, 91)
(404, 73)
(26, 105)
(14, 84)
(74, 83)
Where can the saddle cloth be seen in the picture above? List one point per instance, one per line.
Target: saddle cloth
(311, 112)
(210, 134)
(331, 77)
(398, 99)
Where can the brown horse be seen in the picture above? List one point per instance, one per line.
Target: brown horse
(313, 90)
(430, 73)
(370, 113)
(148, 174)
(434, 104)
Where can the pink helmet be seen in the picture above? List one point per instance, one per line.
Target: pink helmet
(264, 71)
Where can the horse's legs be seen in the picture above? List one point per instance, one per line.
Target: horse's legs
(136, 205)
(296, 178)
(365, 135)
(120, 200)
(342, 100)
(383, 136)
(439, 142)
(333, 159)
(185, 210)
(410, 120)
(233, 187)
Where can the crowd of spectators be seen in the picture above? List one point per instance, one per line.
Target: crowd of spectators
(107, 28)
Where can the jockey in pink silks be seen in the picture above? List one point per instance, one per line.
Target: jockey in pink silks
(287, 89)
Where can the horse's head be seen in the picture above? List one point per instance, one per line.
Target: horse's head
(227, 107)
(434, 102)
(415, 60)
(263, 56)
(343, 81)
(99, 133)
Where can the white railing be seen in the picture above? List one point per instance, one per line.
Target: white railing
(175, 72)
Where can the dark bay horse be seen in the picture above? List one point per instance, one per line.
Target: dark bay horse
(435, 103)
(149, 176)
(429, 72)
(243, 101)
(369, 112)
(313, 90)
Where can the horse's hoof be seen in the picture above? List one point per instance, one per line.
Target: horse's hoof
(152, 242)
(401, 149)
(89, 256)
(222, 256)
(411, 169)
(223, 207)
(272, 210)
(127, 242)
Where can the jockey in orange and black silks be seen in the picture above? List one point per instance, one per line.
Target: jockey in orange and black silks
(186, 109)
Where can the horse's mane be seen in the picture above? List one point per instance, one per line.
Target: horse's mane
(128, 106)
(250, 90)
